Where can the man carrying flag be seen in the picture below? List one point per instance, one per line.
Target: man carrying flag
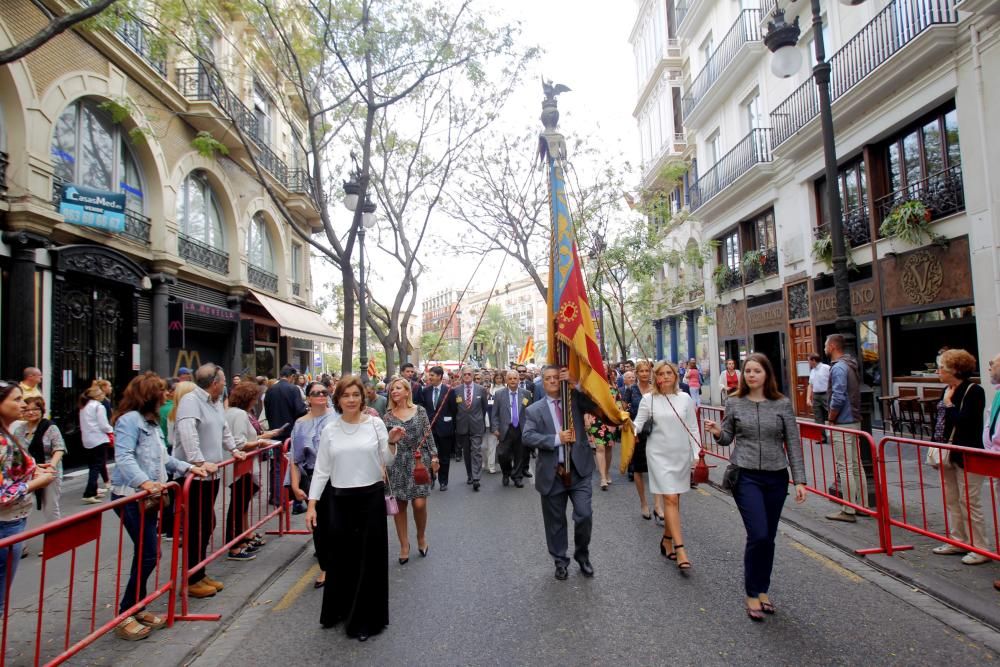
(554, 426)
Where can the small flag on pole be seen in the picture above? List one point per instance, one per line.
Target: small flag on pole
(372, 371)
(528, 352)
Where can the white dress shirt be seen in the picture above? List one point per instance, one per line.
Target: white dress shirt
(351, 455)
(94, 426)
(819, 378)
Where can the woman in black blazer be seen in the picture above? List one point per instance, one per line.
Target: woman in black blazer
(960, 422)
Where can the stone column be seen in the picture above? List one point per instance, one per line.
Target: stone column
(161, 353)
(673, 339)
(235, 302)
(658, 326)
(20, 345)
(692, 326)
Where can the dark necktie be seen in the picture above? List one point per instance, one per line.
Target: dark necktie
(436, 390)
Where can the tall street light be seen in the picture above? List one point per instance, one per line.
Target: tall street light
(364, 218)
(782, 40)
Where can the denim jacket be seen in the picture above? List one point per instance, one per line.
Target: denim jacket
(140, 454)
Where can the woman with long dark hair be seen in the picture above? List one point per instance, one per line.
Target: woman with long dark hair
(761, 423)
(354, 451)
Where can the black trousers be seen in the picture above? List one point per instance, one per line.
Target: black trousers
(759, 496)
(243, 491)
(200, 524)
(556, 525)
(512, 454)
(97, 465)
(446, 447)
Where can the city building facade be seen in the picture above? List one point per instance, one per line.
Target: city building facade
(911, 112)
(204, 269)
(522, 304)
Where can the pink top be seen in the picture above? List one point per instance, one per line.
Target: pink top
(693, 378)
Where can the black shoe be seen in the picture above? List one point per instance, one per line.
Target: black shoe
(505, 481)
(631, 477)
(298, 509)
(527, 473)
(586, 569)
(561, 572)
(362, 638)
(468, 481)
(518, 483)
(443, 487)
(475, 486)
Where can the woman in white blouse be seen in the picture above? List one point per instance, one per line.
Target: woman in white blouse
(670, 450)
(353, 453)
(95, 434)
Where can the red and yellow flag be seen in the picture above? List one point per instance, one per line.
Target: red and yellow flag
(372, 371)
(528, 352)
(570, 319)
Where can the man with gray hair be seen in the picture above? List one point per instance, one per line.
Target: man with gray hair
(203, 439)
(470, 424)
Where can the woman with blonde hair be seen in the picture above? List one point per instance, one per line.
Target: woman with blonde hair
(413, 419)
(95, 434)
(632, 397)
(671, 448)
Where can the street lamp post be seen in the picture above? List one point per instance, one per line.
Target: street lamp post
(355, 192)
(782, 40)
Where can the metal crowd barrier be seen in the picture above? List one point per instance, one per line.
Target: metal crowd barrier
(68, 544)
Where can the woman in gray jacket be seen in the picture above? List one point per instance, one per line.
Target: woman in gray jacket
(762, 423)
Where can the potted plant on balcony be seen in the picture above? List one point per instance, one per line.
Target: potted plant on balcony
(719, 276)
(822, 250)
(753, 260)
(910, 222)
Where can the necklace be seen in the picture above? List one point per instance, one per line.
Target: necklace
(346, 432)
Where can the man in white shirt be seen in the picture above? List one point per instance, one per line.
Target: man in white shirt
(817, 394)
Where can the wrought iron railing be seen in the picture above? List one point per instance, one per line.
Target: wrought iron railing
(745, 29)
(857, 226)
(133, 33)
(942, 194)
(202, 254)
(272, 163)
(198, 83)
(137, 225)
(300, 180)
(262, 278)
(753, 149)
(733, 279)
(296, 289)
(3, 174)
(893, 28)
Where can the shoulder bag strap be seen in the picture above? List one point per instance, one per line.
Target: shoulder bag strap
(951, 438)
(686, 429)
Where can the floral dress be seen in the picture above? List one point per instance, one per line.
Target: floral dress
(401, 470)
(598, 432)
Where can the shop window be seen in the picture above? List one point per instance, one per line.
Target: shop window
(259, 244)
(88, 149)
(198, 212)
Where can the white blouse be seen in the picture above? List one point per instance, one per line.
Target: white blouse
(351, 455)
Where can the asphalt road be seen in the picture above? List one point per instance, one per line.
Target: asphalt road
(486, 595)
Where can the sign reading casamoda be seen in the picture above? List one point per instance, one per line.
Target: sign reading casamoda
(862, 302)
(93, 208)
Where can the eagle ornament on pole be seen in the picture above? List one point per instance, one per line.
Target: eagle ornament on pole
(572, 339)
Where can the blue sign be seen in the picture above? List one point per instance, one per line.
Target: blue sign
(93, 208)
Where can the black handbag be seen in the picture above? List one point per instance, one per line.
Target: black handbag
(731, 477)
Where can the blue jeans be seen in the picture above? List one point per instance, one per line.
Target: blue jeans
(146, 526)
(8, 528)
(760, 495)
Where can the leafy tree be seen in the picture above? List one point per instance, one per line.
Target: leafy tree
(497, 333)
(57, 24)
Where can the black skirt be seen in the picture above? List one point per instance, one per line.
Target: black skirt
(357, 561)
(639, 455)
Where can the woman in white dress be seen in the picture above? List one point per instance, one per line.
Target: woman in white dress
(670, 451)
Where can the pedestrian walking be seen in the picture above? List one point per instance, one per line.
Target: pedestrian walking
(507, 420)
(960, 422)
(142, 464)
(31, 382)
(729, 379)
(404, 414)
(20, 478)
(817, 391)
(95, 435)
(845, 412)
(639, 466)
(693, 377)
(760, 424)
(489, 440)
(470, 424)
(671, 448)
(561, 479)
(203, 440)
(46, 445)
(438, 400)
(354, 451)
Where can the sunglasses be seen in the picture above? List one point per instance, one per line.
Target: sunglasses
(318, 394)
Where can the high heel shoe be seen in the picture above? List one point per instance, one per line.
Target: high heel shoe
(672, 555)
(683, 565)
(423, 552)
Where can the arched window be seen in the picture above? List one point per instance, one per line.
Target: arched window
(259, 252)
(88, 149)
(198, 212)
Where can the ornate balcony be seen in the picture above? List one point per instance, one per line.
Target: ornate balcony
(3, 174)
(890, 31)
(753, 149)
(943, 194)
(262, 278)
(202, 254)
(134, 35)
(300, 180)
(733, 279)
(199, 84)
(746, 29)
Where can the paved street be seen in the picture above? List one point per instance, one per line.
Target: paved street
(486, 595)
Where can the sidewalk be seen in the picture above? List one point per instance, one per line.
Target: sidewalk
(169, 646)
(965, 587)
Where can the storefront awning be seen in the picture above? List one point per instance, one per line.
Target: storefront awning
(297, 321)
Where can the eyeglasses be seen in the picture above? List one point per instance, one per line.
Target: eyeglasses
(318, 394)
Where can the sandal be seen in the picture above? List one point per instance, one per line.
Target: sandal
(681, 564)
(767, 607)
(132, 630)
(663, 550)
(604, 486)
(151, 621)
(646, 515)
(756, 615)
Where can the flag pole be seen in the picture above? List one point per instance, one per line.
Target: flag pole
(552, 151)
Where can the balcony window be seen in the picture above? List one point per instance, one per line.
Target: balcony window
(88, 149)
(730, 249)
(259, 244)
(752, 111)
(853, 187)
(262, 106)
(198, 212)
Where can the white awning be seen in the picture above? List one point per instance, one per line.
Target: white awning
(297, 321)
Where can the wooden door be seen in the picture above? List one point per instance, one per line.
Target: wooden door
(802, 345)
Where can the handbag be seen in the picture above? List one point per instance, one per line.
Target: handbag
(699, 473)
(391, 506)
(935, 455)
(731, 477)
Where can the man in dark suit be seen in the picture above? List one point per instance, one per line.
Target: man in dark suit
(470, 424)
(438, 400)
(507, 418)
(543, 430)
(283, 404)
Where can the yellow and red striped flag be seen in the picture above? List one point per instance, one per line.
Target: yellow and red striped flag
(528, 352)
(372, 371)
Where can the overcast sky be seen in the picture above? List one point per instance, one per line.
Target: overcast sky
(585, 44)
